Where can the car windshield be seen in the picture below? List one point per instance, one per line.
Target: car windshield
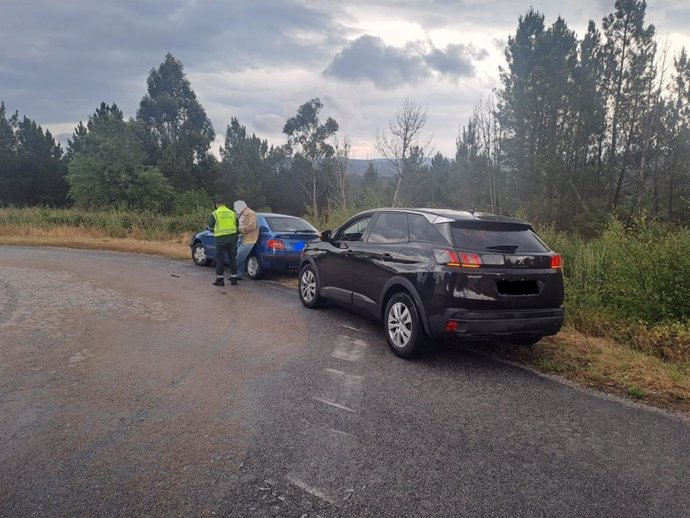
(494, 236)
(285, 224)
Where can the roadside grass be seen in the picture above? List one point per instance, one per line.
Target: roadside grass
(92, 239)
(609, 366)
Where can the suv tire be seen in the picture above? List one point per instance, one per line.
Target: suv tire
(403, 326)
(308, 288)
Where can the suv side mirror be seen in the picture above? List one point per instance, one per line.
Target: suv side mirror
(325, 235)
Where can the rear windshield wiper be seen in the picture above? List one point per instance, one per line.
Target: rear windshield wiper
(503, 248)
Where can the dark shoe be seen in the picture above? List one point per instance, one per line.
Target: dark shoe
(233, 280)
(219, 282)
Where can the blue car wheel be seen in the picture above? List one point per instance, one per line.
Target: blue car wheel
(199, 255)
(254, 268)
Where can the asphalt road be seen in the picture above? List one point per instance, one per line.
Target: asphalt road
(129, 386)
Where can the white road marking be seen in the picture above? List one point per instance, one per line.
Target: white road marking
(340, 432)
(348, 349)
(343, 407)
(327, 446)
(354, 329)
(310, 489)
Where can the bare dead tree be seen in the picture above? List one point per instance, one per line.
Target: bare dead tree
(341, 160)
(404, 135)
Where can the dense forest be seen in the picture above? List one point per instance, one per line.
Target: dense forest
(578, 129)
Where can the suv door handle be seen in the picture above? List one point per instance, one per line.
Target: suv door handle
(386, 257)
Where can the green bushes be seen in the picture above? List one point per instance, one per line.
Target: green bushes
(631, 284)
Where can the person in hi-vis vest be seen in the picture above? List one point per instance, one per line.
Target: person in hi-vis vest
(223, 223)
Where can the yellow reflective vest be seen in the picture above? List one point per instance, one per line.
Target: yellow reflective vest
(226, 222)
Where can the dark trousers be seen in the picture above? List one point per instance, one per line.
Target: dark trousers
(227, 246)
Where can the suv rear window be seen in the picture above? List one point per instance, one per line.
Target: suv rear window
(494, 236)
(421, 230)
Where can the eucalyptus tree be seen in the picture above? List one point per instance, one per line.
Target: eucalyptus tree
(308, 137)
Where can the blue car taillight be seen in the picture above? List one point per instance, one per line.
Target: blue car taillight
(276, 245)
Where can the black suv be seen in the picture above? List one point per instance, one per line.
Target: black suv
(433, 272)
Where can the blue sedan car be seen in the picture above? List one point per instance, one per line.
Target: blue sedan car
(280, 243)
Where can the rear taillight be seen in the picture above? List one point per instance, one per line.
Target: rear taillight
(556, 261)
(453, 258)
(275, 244)
(451, 326)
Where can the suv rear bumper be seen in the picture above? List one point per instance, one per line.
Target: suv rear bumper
(498, 323)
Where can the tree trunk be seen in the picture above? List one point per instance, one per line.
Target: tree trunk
(397, 189)
(314, 205)
(614, 124)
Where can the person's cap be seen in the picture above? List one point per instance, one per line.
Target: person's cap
(218, 199)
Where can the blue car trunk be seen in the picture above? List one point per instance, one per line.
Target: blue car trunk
(295, 241)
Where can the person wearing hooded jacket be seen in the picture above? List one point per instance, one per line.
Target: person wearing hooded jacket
(249, 232)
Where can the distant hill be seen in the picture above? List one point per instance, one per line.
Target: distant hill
(359, 166)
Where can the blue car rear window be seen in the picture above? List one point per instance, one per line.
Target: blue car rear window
(279, 224)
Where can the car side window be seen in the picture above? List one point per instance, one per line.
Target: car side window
(390, 227)
(421, 230)
(355, 231)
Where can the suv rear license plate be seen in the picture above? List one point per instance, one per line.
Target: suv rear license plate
(517, 287)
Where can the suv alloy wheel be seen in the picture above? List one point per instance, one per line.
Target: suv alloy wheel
(309, 288)
(403, 326)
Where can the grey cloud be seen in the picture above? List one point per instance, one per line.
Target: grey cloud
(369, 58)
(455, 60)
(676, 18)
(267, 123)
(61, 59)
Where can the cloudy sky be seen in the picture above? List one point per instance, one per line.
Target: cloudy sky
(259, 60)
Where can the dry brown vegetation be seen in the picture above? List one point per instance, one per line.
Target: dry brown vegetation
(93, 239)
(607, 365)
